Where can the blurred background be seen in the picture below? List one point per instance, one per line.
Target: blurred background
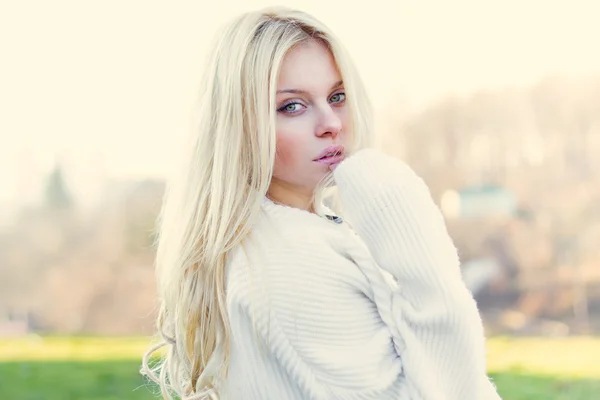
(495, 104)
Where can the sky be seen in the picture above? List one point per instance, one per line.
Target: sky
(106, 87)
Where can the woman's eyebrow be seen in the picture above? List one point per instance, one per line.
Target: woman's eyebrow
(298, 91)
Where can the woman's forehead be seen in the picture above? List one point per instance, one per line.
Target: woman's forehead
(308, 67)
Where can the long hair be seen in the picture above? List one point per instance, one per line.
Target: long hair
(211, 204)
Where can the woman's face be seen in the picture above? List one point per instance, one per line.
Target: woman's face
(311, 118)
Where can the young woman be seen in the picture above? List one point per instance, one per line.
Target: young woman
(265, 292)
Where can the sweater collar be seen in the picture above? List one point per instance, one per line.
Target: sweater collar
(323, 211)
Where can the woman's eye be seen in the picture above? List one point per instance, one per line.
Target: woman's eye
(338, 97)
(291, 107)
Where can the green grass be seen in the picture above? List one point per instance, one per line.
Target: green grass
(522, 386)
(107, 369)
(72, 380)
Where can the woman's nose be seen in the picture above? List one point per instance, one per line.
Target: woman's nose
(329, 122)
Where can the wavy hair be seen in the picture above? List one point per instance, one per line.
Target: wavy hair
(211, 204)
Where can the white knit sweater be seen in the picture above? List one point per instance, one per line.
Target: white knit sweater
(371, 308)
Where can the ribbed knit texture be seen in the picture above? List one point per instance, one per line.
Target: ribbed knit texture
(373, 308)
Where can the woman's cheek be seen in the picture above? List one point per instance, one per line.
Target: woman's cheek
(284, 153)
(344, 116)
(291, 142)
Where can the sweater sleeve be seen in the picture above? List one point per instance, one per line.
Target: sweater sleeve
(320, 336)
(435, 316)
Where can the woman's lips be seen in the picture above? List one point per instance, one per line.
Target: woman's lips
(331, 159)
(336, 149)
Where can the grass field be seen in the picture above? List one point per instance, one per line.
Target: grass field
(107, 369)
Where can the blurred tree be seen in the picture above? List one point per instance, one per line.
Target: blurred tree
(57, 196)
(540, 142)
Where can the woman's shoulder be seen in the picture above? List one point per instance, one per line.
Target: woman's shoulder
(288, 228)
(282, 237)
(288, 248)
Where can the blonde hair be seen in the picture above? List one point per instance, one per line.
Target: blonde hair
(212, 203)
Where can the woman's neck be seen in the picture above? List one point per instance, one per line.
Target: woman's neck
(285, 195)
